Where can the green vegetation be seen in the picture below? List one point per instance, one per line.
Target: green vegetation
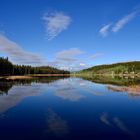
(116, 80)
(7, 68)
(125, 68)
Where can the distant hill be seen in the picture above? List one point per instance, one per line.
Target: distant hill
(117, 68)
(7, 68)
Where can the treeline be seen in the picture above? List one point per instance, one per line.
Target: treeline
(118, 68)
(7, 68)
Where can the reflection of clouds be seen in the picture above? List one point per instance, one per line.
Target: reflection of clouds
(69, 82)
(94, 92)
(70, 89)
(67, 89)
(56, 124)
(104, 119)
(88, 87)
(82, 84)
(16, 94)
(115, 121)
(121, 125)
(69, 95)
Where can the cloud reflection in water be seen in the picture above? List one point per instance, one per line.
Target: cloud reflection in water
(56, 125)
(16, 95)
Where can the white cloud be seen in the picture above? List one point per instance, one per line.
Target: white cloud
(122, 22)
(72, 60)
(69, 55)
(104, 30)
(82, 64)
(96, 55)
(17, 54)
(67, 59)
(56, 23)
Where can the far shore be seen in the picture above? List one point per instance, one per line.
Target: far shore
(18, 77)
(31, 76)
(107, 75)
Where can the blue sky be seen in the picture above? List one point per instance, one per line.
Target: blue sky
(70, 34)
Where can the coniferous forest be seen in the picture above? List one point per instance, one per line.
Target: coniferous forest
(7, 68)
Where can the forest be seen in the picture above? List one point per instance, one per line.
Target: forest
(7, 68)
(117, 68)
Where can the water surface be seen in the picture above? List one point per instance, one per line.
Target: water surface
(69, 108)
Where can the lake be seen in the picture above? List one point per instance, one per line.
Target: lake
(70, 109)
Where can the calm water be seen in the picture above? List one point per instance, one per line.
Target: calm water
(69, 108)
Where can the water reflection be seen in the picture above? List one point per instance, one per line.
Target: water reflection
(132, 90)
(121, 126)
(56, 125)
(17, 94)
(114, 80)
(104, 119)
(69, 90)
(131, 85)
(6, 85)
(76, 109)
(12, 92)
(115, 122)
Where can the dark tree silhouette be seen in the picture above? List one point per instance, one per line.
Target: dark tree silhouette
(7, 68)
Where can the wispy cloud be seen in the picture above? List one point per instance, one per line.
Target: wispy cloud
(96, 55)
(122, 22)
(68, 55)
(73, 59)
(17, 54)
(68, 59)
(104, 30)
(55, 23)
(116, 26)
(82, 64)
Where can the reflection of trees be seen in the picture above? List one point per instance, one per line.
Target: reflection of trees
(6, 85)
(17, 94)
(20, 90)
(131, 85)
(116, 80)
(133, 90)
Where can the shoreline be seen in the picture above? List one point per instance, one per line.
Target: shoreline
(24, 77)
(31, 76)
(112, 75)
